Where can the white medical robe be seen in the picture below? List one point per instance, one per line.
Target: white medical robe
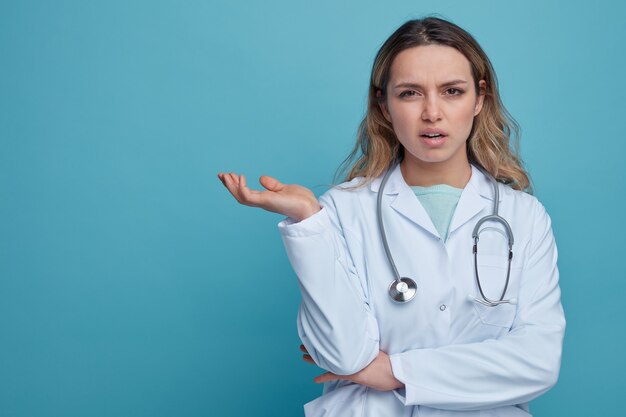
(454, 355)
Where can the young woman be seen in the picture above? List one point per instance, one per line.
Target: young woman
(429, 279)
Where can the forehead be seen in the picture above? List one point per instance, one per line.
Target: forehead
(430, 62)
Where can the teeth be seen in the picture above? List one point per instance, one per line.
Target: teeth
(432, 135)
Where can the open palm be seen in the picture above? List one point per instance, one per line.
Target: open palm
(292, 200)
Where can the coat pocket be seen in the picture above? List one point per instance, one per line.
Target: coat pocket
(501, 315)
(492, 272)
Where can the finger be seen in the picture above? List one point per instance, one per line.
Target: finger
(271, 183)
(243, 190)
(236, 181)
(302, 348)
(250, 197)
(309, 359)
(235, 178)
(328, 376)
(241, 184)
(229, 182)
(220, 175)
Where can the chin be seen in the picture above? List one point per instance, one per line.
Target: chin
(437, 156)
(431, 158)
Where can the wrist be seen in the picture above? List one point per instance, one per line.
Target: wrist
(397, 384)
(308, 211)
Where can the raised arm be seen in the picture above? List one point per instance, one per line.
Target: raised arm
(335, 323)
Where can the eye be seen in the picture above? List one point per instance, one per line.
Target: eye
(454, 92)
(408, 93)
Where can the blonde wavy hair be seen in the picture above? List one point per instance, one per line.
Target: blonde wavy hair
(493, 142)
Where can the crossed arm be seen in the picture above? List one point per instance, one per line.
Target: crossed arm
(377, 375)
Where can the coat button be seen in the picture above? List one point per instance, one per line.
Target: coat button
(442, 307)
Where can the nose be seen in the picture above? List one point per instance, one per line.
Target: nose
(431, 111)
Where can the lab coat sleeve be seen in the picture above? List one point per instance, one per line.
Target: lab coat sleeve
(334, 321)
(513, 369)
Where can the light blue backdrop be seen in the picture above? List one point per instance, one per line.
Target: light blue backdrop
(131, 284)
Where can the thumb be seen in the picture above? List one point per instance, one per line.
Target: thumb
(271, 183)
(329, 376)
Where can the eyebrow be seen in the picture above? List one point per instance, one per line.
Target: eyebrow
(415, 85)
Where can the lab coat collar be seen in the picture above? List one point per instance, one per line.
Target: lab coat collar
(476, 196)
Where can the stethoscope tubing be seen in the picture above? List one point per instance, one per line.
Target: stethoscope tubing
(393, 292)
(381, 227)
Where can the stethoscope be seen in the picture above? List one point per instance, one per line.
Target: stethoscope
(403, 289)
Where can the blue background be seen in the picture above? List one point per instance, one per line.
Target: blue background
(132, 284)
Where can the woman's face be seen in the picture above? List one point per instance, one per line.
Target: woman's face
(431, 103)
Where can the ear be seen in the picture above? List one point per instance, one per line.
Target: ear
(480, 98)
(382, 103)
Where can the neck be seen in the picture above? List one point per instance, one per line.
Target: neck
(425, 174)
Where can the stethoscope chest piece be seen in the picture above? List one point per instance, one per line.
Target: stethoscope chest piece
(403, 290)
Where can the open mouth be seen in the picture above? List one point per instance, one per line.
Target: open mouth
(434, 139)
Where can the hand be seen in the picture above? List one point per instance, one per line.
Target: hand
(292, 200)
(377, 375)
